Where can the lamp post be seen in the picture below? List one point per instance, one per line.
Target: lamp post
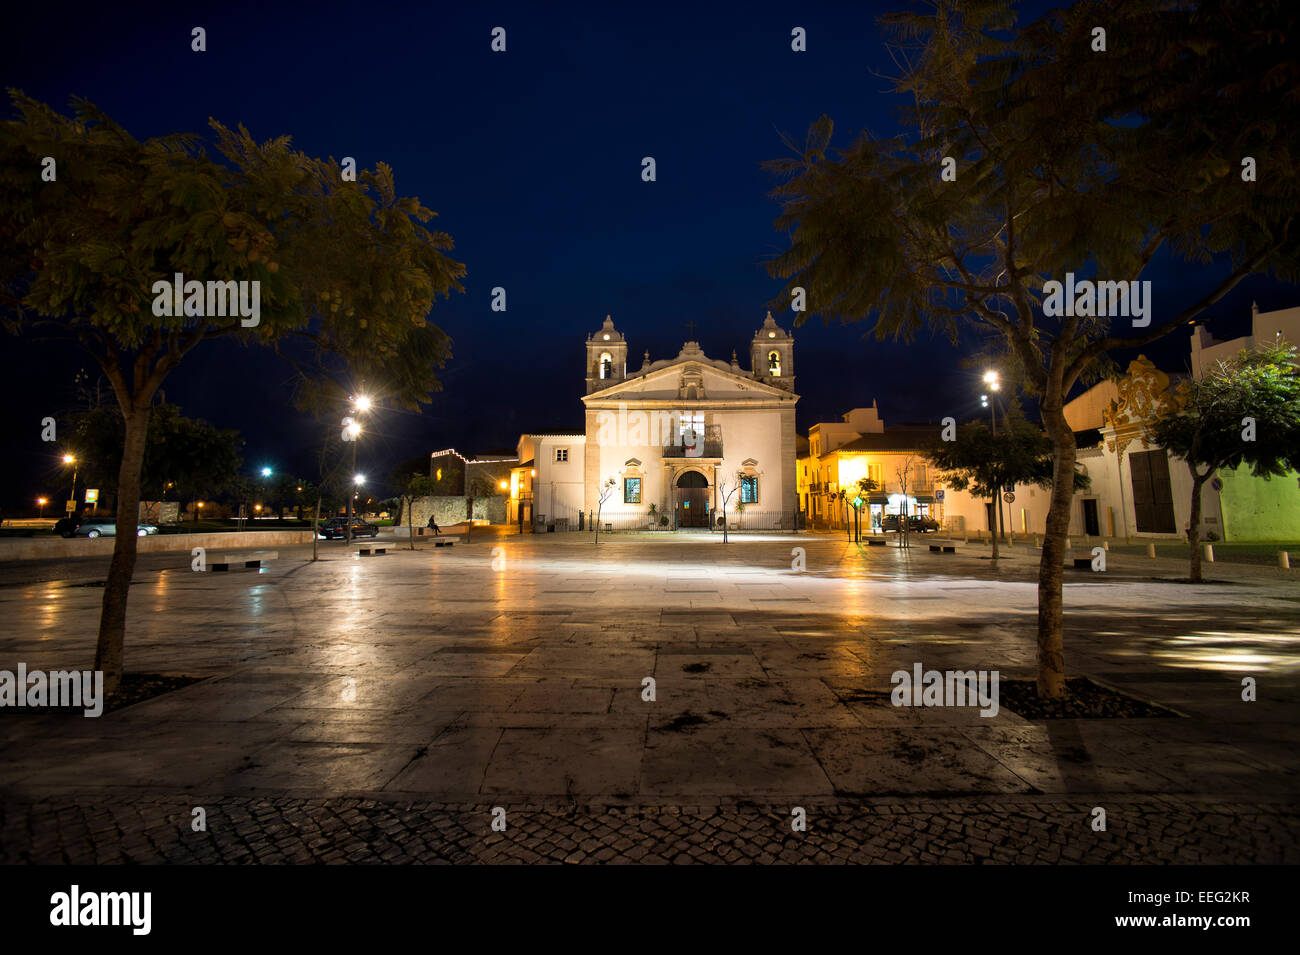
(994, 384)
(40, 501)
(360, 405)
(69, 459)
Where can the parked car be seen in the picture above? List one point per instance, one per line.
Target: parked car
(66, 526)
(108, 529)
(916, 523)
(336, 528)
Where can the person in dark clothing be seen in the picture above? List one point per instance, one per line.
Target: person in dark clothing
(433, 524)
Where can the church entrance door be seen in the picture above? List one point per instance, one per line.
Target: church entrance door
(692, 500)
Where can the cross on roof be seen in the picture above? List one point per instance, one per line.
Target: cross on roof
(691, 328)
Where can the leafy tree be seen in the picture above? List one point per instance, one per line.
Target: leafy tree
(185, 458)
(1246, 410)
(984, 462)
(410, 484)
(1061, 159)
(347, 269)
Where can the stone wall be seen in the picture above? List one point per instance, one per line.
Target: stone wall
(448, 510)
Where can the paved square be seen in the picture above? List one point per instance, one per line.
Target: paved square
(429, 679)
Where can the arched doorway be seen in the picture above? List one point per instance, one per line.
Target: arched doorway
(692, 499)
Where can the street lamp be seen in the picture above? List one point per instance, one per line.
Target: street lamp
(994, 383)
(41, 502)
(266, 472)
(69, 459)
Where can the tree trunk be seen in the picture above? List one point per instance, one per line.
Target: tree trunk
(1194, 523)
(315, 531)
(993, 525)
(112, 620)
(1051, 568)
(410, 528)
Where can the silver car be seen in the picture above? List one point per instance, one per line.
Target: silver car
(109, 529)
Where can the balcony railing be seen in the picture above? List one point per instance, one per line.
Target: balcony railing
(704, 449)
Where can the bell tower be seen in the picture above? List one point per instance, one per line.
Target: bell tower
(606, 357)
(771, 355)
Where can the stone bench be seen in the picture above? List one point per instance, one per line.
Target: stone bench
(875, 542)
(372, 550)
(943, 548)
(1080, 563)
(251, 561)
(443, 543)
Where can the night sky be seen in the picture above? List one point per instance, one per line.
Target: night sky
(532, 160)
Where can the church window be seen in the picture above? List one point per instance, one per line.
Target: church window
(774, 364)
(632, 490)
(749, 490)
(691, 423)
(561, 455)
(606, 365)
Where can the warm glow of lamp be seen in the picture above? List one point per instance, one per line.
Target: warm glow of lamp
(504, 485)
(68, 459)
(991, 379)
(353, 430)
(362, 403)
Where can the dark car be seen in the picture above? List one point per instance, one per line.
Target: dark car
(66, 526)
(336, 528)
(917, 524)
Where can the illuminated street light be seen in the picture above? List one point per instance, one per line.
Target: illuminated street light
(991, 379)
(266, 472)
(361, 403)
(70, 459)
(504, 485)
(359, 479)
(353, 430)
(41, 502)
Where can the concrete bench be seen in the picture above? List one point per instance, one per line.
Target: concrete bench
(1080, 563)
(875, 542)
(251, 561)
(443, 543)
(371, 550)
(943, 548)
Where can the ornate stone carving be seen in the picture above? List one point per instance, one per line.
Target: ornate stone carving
(1143, 397)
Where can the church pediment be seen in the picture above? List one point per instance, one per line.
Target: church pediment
(697, 380)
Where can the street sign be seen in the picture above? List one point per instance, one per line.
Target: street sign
(938, 495)
(857, 502)
(92, 495)
(1009, 497)
(1217, 484)
(71, 506)
(1009, 488)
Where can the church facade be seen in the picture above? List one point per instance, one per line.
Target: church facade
(670, 444)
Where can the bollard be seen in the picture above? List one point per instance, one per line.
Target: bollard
(1105, 545)
(1151, 550)
(1209, 553)
(1284, 560)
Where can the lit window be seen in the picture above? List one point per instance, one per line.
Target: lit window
(561, 455)
(691, 423)
(438, 476)
(632, 490)
(749, 490)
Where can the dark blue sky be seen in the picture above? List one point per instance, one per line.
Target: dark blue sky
(532, 161)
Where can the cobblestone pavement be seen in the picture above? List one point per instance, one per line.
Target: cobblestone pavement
(1152, 830)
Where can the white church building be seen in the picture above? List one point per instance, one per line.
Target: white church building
(671, 444)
